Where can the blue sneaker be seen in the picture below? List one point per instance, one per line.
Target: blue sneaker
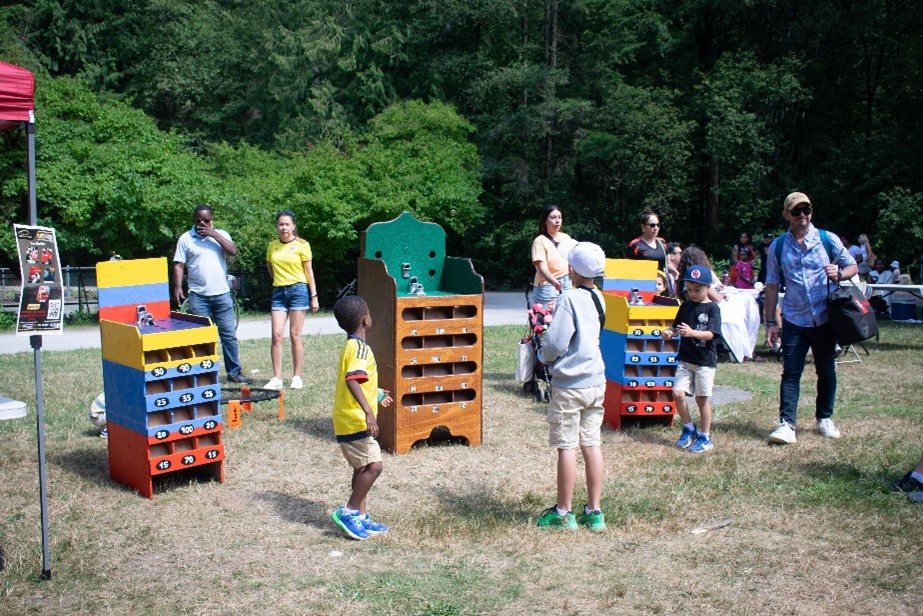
(702, 444)
(350, 523)
(372, 527)
(688, 437)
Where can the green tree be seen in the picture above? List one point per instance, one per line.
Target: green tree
(107, 178)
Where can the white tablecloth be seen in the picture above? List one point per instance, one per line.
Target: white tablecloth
(740, 322)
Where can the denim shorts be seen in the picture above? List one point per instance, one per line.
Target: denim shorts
(291, 297)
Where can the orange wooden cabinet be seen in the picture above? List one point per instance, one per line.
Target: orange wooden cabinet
(429, 348)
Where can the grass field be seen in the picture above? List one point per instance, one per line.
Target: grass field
(813, 531)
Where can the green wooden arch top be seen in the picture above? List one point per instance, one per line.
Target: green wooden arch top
(413, 249)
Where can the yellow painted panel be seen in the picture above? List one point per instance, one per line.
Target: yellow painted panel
(131, 272)
(616, 312)
(631, 269)
(649, 313)
(183, 337)
(620, 316)
(121, 343)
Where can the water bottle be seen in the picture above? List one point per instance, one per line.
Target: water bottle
(635, 297)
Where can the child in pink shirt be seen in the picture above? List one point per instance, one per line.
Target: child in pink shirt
(744, 267)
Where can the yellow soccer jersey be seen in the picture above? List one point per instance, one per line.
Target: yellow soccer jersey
(288, 260)
(357, 363)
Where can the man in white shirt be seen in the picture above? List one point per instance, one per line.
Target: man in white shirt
(201, 252)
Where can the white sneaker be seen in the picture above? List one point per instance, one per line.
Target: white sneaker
(296, 383)
(784, 434)
(274, 383)
(826, 428)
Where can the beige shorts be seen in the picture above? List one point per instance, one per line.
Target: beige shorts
(362, 452)
(693, 380)
(575, 417)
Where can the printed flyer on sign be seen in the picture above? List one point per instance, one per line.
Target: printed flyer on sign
(41, 301)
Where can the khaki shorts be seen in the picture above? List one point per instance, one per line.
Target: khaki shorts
(693, 380)
(575, 417)
(362, 452)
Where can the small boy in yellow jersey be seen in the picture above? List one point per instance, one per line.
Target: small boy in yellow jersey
(355, 406)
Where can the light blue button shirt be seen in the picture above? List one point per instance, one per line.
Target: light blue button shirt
(206, 266)
(806, 282)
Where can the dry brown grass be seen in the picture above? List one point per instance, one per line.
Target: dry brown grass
(813, 530)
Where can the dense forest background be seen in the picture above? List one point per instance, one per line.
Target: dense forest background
(470, 113)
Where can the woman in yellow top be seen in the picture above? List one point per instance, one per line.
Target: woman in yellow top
(288, 260)
(549, 256)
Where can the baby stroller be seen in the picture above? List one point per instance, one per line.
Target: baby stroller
(538, 382)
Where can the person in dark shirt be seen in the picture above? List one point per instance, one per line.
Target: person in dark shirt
(698, 324)
(649, 245)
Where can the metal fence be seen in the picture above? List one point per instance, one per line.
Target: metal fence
(79, 287)
(80, 291)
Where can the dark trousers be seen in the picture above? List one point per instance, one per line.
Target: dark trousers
(795, 344)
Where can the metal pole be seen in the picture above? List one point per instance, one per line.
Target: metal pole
(36, 342)
(33, 208)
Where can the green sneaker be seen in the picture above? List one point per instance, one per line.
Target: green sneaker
(594, 520)
(551, 519)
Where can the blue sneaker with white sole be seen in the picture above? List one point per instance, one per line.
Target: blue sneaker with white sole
(688, 437)
(372, 527)
(702, 444)
(350, 523)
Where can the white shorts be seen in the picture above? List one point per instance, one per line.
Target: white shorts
(693, 380)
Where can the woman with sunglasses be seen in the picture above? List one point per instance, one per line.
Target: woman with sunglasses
(288, 260)
(648, 246)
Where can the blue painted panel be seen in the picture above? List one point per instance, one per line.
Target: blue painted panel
(620, 284)
(133, 295)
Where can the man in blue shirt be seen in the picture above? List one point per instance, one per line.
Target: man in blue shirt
(810, 261)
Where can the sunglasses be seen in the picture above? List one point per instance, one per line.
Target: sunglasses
(801, 211)
(652, 224)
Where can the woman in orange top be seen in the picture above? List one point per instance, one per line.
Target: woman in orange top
(549, 256)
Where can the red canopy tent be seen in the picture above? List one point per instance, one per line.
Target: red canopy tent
(17, 106)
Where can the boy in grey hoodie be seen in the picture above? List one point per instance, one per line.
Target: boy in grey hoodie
(570, 347)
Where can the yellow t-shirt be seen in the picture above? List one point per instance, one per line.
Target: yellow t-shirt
(288, 261)
(357, 363)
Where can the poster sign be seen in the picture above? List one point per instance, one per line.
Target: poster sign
(41, 300)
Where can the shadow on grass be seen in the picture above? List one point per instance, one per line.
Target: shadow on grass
(646, 432)
(748, 429)
(300, 510)
(91, 463)
(481, 507)
(502, 382)
(320, 428)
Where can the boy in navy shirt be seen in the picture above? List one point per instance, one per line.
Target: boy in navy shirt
(698, 324)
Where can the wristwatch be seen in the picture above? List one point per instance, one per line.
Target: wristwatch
(770, 323)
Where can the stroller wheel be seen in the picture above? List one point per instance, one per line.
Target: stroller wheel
(528, 388)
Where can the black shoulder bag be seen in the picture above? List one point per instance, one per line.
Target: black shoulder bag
(850, 314)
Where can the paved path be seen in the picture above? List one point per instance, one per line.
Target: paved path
(499, 309)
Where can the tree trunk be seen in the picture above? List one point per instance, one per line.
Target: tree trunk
(551, 61)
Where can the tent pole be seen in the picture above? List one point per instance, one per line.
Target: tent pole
(36, 343)
(33, 209)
